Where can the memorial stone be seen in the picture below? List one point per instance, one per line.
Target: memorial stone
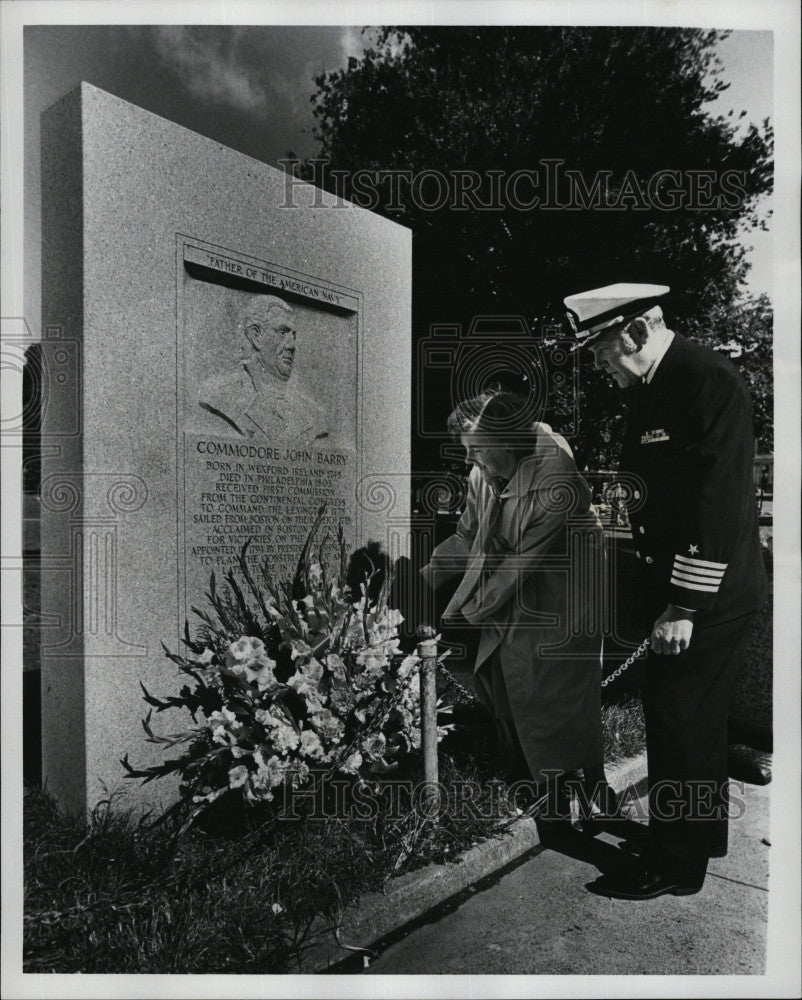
(228, 348)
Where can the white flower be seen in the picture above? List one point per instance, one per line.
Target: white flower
(315, 574)
(352, 764)
(258, 648)
(313, 669)
(258, 788)
(341, 698)
(394, 617)
(299, 648)
(238, 752)
(336, 666)
(282, 737)
(272, 610)
(308, 689)
(220, 724)
(387, 624)
(372, 660)
(408, 664)
(300, 773)
(412, 691)
(244, 650)
(375, 746)
(277, 908)
(311, 745)
(327, 725)
(237, 776)
(222, 718)
(262, 673)
(206, 657)
(268, 773)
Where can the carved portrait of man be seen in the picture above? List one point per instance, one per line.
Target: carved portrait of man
(262, 398)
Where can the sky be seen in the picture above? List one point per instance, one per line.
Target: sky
(249, 87)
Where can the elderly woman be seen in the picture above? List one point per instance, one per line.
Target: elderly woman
(528, 547)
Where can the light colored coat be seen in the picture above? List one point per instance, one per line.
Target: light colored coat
(531, 579)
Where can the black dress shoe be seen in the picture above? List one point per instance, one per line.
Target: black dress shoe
(646, 885)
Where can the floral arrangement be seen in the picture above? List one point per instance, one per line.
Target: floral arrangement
(297, 678)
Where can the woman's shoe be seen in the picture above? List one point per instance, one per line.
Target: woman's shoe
(610, 819)
(618, 825)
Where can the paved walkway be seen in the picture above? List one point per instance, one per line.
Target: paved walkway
(540, 918)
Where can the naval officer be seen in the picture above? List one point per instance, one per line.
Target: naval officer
(701, 576)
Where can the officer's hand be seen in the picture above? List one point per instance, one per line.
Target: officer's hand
(671, 634)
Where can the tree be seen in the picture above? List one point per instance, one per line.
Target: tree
(743, 333)
(617, 107)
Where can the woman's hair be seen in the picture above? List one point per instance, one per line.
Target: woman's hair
(506, 416)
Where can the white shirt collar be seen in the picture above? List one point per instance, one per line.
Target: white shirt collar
(666, 338)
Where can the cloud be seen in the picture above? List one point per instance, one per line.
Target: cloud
(208, 63)
(351, 43)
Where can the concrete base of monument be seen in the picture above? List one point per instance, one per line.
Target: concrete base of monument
(410, 896)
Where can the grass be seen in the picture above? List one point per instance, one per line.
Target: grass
(623, 730)
(112, 897)
(123, 900)
(118, 898)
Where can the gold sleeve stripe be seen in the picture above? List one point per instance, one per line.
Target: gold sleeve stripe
(689, 583)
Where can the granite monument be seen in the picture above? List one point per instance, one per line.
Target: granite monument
(230, 357)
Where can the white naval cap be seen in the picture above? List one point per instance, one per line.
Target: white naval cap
(591, 313)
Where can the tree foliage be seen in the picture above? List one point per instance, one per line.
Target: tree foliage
(630, 101)
(743, 332)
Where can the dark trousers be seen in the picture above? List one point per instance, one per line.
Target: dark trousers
(686, 701)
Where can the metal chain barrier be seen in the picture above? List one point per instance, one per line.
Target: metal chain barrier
(627, 663)
(451, 680)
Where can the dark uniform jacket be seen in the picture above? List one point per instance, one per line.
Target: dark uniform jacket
(694, 519)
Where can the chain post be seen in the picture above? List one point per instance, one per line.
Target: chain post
(427, 650)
